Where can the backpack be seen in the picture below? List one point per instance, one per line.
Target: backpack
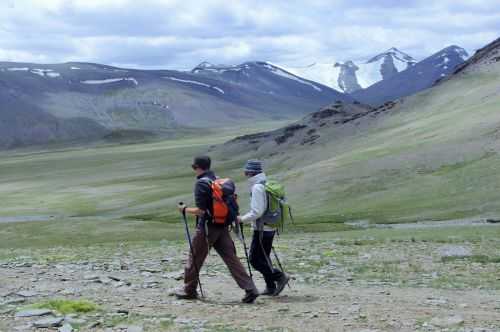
(225, 204)
(274, 216)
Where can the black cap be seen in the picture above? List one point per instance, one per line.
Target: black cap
(202, 162)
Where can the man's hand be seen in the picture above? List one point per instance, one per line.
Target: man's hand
(238, 219)
(181, 206)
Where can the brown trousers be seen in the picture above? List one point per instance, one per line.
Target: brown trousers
(220, 239)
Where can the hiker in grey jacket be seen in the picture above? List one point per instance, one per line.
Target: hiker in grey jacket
(263, 236)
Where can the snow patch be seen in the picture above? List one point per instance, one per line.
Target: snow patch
(18, 69)
(280, 72)
(187, 81)
(324, 73)
(195, 83)
(45, 72)
(218, 89)
(74, 68)
(369, 73)
(53, 74)
(110, 80)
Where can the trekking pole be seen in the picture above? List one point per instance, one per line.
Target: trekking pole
(191, 249)
(246, 250)
(279, 264)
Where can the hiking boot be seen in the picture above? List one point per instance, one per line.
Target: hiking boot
(268, 291)
(250, 296)
(281, 283)
(182, 295)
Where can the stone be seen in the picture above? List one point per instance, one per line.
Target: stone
(34, 313)
(135, 328)
(48, 322)
(454, 251)
(14, 301)
(446, 322)
(27, 293)
(6, 311)
(66, 328)
(151, 270)
(74, 320)
(94, 325)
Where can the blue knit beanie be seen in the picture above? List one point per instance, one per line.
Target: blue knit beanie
(253, 166)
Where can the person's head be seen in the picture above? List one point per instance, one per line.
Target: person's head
(201, 164)
(253, 168)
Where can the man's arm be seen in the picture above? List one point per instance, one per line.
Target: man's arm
(191, 210)
(202, 199)
(258, 204)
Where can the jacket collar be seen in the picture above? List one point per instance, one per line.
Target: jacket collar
(207, 174)
(261, 177)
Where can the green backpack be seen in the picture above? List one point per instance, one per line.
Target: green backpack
(274, 216)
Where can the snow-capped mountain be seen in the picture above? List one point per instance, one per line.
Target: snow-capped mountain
(350, 76)
(42, 103)
(417, 77)
(384, 66)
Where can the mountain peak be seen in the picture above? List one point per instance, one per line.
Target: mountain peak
(395, 54)
(458, 50)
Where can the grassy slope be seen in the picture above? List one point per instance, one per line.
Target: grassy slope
(100, 194)
(436, 158)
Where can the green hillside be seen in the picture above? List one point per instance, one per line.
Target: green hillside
(433, 156)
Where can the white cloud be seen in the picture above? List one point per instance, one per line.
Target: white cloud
(181, 33)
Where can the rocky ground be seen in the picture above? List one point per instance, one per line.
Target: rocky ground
(362, 283)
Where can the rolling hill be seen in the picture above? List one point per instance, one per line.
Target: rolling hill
(433, 155)
(84, 101)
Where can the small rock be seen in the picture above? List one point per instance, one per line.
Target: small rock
(151, 270)
(27, 293)
(73, 320)
(14, 301)
(445, 322)
(48, 322)
(91, 277)
(135, 328)
(66, 328)
(94, 325)
(6, 311)
(34, 313)
(454, 251)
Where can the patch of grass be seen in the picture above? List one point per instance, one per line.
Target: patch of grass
(68, 306)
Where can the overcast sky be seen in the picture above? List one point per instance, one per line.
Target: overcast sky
(178, 34)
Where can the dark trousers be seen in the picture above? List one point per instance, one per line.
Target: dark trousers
(260, 257)
(220, 239)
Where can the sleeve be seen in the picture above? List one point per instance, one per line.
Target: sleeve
(258, 204)
(202, 195)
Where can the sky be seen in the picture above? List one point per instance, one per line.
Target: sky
(179, 34)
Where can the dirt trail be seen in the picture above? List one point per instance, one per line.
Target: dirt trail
(132, 288)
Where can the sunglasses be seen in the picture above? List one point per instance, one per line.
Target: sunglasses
(194, 167)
